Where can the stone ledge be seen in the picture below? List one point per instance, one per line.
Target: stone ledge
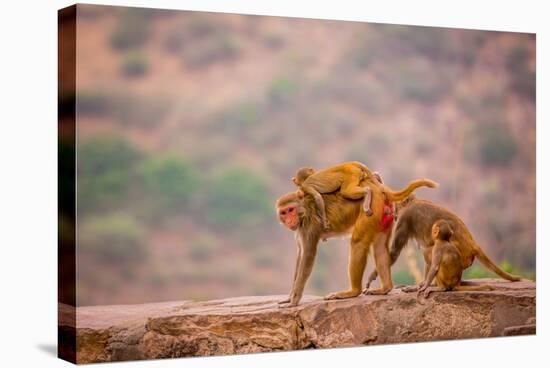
(257, 324)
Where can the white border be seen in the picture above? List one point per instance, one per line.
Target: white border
(29, 183)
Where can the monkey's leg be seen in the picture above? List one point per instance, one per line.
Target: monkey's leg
(305, 266)
(356, 268)
(399, 241)
(320, 203)
(351, 189)
(382, 260)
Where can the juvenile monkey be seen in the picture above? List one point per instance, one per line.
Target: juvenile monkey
(445, 264)
(345, 177)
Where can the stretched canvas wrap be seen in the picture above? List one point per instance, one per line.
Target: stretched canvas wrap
(181, 229)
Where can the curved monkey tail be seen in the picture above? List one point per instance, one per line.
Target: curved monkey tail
(486, 261)
(413, 185)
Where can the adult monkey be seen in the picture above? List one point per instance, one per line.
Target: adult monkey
(298, 213)
(416, 219)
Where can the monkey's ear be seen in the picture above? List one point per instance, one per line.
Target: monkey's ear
(294, 180)
(300, 194)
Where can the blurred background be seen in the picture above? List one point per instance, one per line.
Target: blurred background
(190, 125)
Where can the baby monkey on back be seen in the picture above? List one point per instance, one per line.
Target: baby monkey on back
(446, 264)
(345, 177)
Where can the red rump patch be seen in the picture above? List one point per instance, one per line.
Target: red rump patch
(387, 217)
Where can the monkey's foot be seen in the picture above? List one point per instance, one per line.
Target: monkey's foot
(342, 294)
(379, 291)
(410, 288)
(368, 211)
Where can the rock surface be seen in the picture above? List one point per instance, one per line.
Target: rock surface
(257, 324)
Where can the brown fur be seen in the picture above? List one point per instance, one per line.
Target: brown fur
(445, 264)
(298, 213)
(416, 220)
(344, 177)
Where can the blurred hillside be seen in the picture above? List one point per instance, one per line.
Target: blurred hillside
(191, 124)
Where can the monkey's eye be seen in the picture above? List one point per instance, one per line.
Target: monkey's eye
(290, 209)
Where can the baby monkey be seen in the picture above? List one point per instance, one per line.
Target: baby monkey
(446, 264)
(345, 177)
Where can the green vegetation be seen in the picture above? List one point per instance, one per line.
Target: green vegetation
(113, 238)
(237, 196)
(496, 144)
(133, 29)
(281, 90)
(236, 121)
(105, 172)
(477, 271)
(403, 277)
(134, 64)
(169, 177)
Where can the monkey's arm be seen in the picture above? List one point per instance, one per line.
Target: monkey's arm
(305, 266)
(367, 202)
(434, 267)
(299, 252)
(399, 241)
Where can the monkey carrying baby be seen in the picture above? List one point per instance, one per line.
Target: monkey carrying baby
(346, 178)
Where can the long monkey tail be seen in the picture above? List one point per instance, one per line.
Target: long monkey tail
(413, 185)
(486, 261)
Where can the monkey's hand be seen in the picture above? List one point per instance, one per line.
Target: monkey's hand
(424, 292)
(368, 211)
(412, 288)
(288, 304)
(326, 225)
(284, 301)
